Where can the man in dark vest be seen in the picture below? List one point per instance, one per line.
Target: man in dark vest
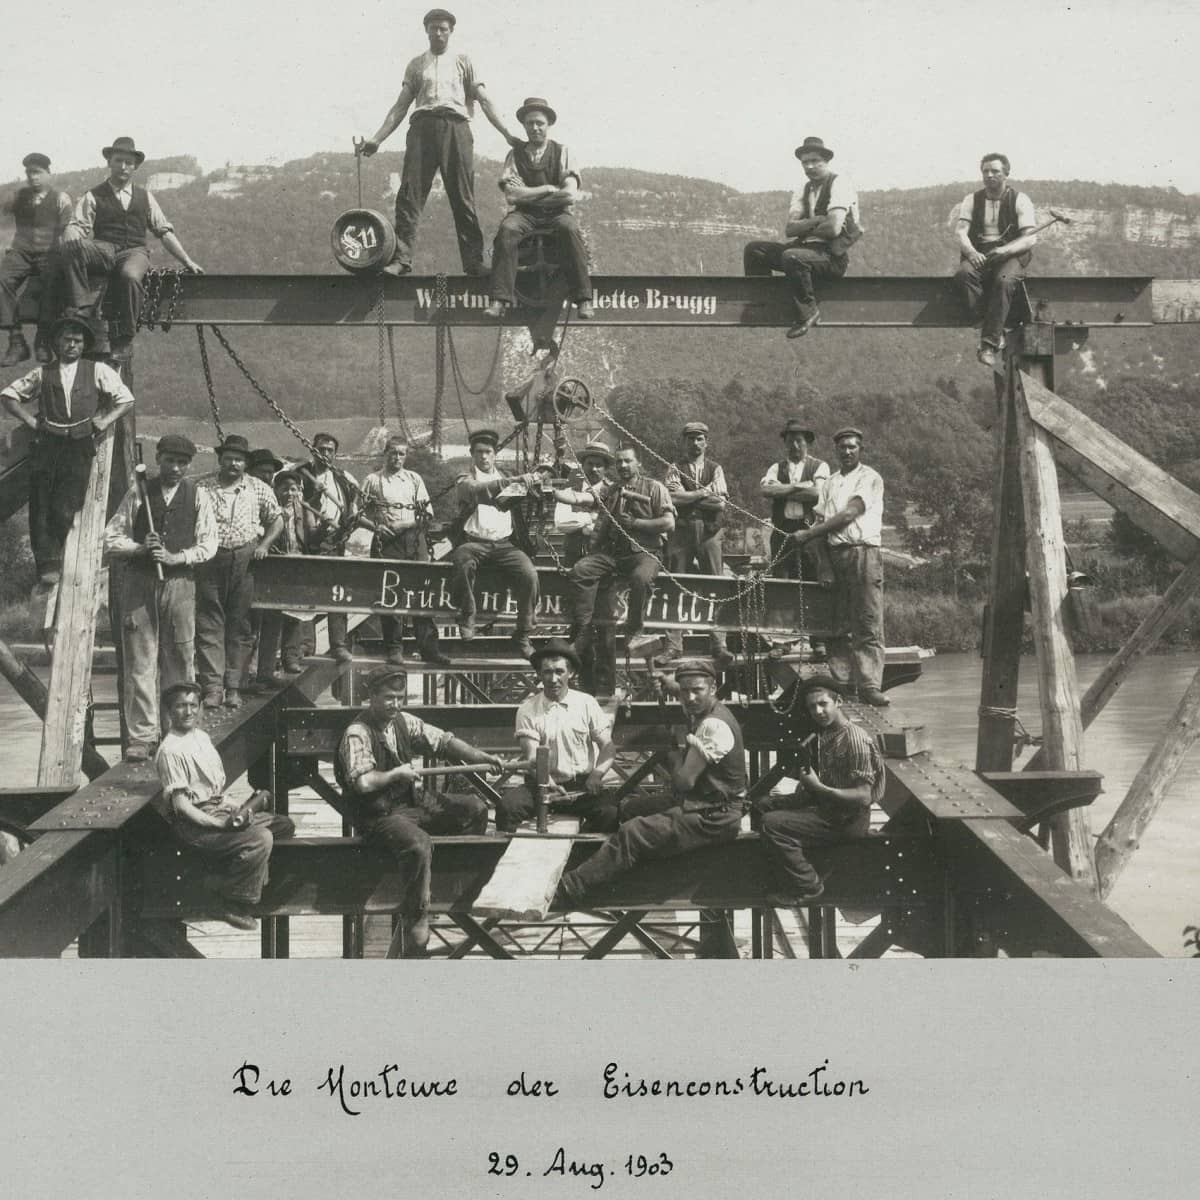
(698, 491)
(41, 214)
(541, 187)
(107, 236)
(77, 399)
(382, 794)
(822, 224)
(708, 778)
(996, 240)
(172, 528)
(793, 485)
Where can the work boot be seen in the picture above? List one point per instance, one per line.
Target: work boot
(396, 267)
(233, 698)
(522, 644)
(570, 892)
(212, 697)
(136, 752)
(669, 655)
(430, 653)
(873, 697)
(256, 686)
(341, 654)
(416, 935)
(794, 898)
(466, 626)
(477, 270)
(805, 324)
(496, 310)
(120, 349)
(585, 311)
(395, 656)
(987, 354)
(722, 655)
(238, 919)
(18, 349)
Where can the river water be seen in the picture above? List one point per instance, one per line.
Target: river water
(1159, 891)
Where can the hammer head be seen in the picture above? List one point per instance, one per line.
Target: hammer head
(139, 470)
(1059, 217)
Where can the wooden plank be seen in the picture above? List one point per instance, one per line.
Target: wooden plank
(1058, 687)
(71, 668)
(523, 885)
(1124, 830)
(1148, 495)
(1041, 794)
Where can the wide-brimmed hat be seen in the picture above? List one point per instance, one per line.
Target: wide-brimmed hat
(176, 443)
(536, 104)
(556, 648)
(237, 444)
(848, 431)
(596, 449)
(260, 458)
(483, 435)
(796, 425)
(36, 160)
(814, 145)
(126, 145)
(814, 682)
(75, 322)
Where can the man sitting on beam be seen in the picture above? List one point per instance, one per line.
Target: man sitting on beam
(383, 795)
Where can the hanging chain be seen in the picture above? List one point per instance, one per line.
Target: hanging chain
(208, 383)
(400, 414)
(161, 286)
(460, 380)
(382, 330)
(439, 384)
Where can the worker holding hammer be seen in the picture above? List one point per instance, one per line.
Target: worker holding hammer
(996, 237)
(162, 529)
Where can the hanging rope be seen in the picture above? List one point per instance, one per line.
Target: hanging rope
(208, 383)
(400, 413)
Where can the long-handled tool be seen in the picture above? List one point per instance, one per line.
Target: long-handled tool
(139, 474)
(1056, 218)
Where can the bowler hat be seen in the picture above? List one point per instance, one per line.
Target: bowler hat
(536, 104)
(814, 145)
(483, 435)
(381, 676)
(176, 689)
(176, 443)
(76, 322)
(695, 427)
(126, 145)
(796, 425)
(848, 431)
(596, 449)
(696, 666)
(36, 160)
(236, 443)
(439, 14)
(814, 682)
(556, 648)
(260, 458)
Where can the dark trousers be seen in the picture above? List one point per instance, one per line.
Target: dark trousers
(224, 595)
(586, 576)
(801, 265)
(15, 268)
(238, 858)
(406, 544)
(597, 814)
(691, 549)
(405, 832)
(434, 143)
(856, 650)
(59, 469)
(73, 262)
(514, 564)
(282, 635)
(786, 833)
(658, 835)
(573, 259)
(988, 293)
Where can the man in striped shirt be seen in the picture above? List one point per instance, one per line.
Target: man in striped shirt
(840, 781)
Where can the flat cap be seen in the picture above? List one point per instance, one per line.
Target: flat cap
(848, 431)
(176, 443)
(483, 435)
(815, 683)
(695, 427)
(178, 689)
(382, 676)
(439, 14)
(696, 666)
(36, 160)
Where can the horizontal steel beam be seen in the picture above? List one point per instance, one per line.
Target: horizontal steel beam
(671, 300)
(302, 583)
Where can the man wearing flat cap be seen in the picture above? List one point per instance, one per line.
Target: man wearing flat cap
(487, 521)
(840, 778)
(442, 89)
(576, 518)
(698, 492)
(850, 520)
(579, 737)
(793, 486)
(76, 401)
(822, 224)
(708, 780)
(41, 214)
(171, 529)
(382, 794)
(541, 188)
(107, 236)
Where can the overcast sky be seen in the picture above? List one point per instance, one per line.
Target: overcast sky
(906, 93)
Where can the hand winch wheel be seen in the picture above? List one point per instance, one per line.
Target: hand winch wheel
(363, 240)
(572, 399)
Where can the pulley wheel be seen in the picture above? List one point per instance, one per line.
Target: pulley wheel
(572, 399)
(363, 240)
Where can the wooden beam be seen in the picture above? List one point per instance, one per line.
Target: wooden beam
(75, 626)
(1058, 687)
(523, 884)
(1124, 830)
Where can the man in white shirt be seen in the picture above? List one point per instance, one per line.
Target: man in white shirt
(487, 525)
(996, 239)
(77, 399)
(851, 522)
(396, 502)
(579, 737)
(823, 223)
(442, 90)
(793, 485)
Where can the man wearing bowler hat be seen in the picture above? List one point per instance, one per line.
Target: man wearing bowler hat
(173, 529)
(107, 236)
(442, 89)
(77, 399)
(541, 187)
(579, 737)
(248, 522)
(850, 520)
(793, 486)
(708, 781)
(822, 224)
(40, 213)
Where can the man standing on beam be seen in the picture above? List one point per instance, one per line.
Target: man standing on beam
(442, 90)
(793, 486)
(996, 239)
